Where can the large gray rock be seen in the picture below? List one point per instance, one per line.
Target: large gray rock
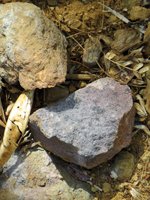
(38, 176)
(90, 126)
(32, 49)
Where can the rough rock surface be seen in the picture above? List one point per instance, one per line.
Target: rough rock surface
(88, 127)
(38, 176)
(32, 49)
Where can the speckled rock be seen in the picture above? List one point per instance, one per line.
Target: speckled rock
(88, 127)
(123, 166)
(32, 49)
(39, 176)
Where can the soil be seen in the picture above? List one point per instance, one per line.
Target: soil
(80, 20)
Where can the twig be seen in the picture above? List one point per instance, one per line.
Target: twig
(122, 18)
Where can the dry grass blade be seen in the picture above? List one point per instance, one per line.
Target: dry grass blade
(16, 125)
(136, 194)
(2, 115)
(144, 128)
(140, 111)
(142, 104)
(121, 17)
(117, 14)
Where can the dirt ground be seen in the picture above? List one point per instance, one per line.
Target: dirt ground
(124, 57)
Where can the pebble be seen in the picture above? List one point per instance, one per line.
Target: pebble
(106, 187)
(92, 51)
(123, 166)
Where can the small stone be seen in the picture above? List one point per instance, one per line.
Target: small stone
(139, 166)
(92, 51)
(125, 39)
(26, 176)
(139, 13)
(82, 84)
(32, 49)
(106, 187)
(90, 126)
(123, 166)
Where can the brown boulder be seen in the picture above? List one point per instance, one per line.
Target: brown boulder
(32, 49)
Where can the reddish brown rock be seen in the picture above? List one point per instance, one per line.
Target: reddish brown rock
(88, 127)
(32, 49)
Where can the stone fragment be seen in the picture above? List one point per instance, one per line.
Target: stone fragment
(139, 13)
(125, 39)
(88, 127)
(32, 49)
(92, 51)
(106, 187)
(39, 176)
(123, 166)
